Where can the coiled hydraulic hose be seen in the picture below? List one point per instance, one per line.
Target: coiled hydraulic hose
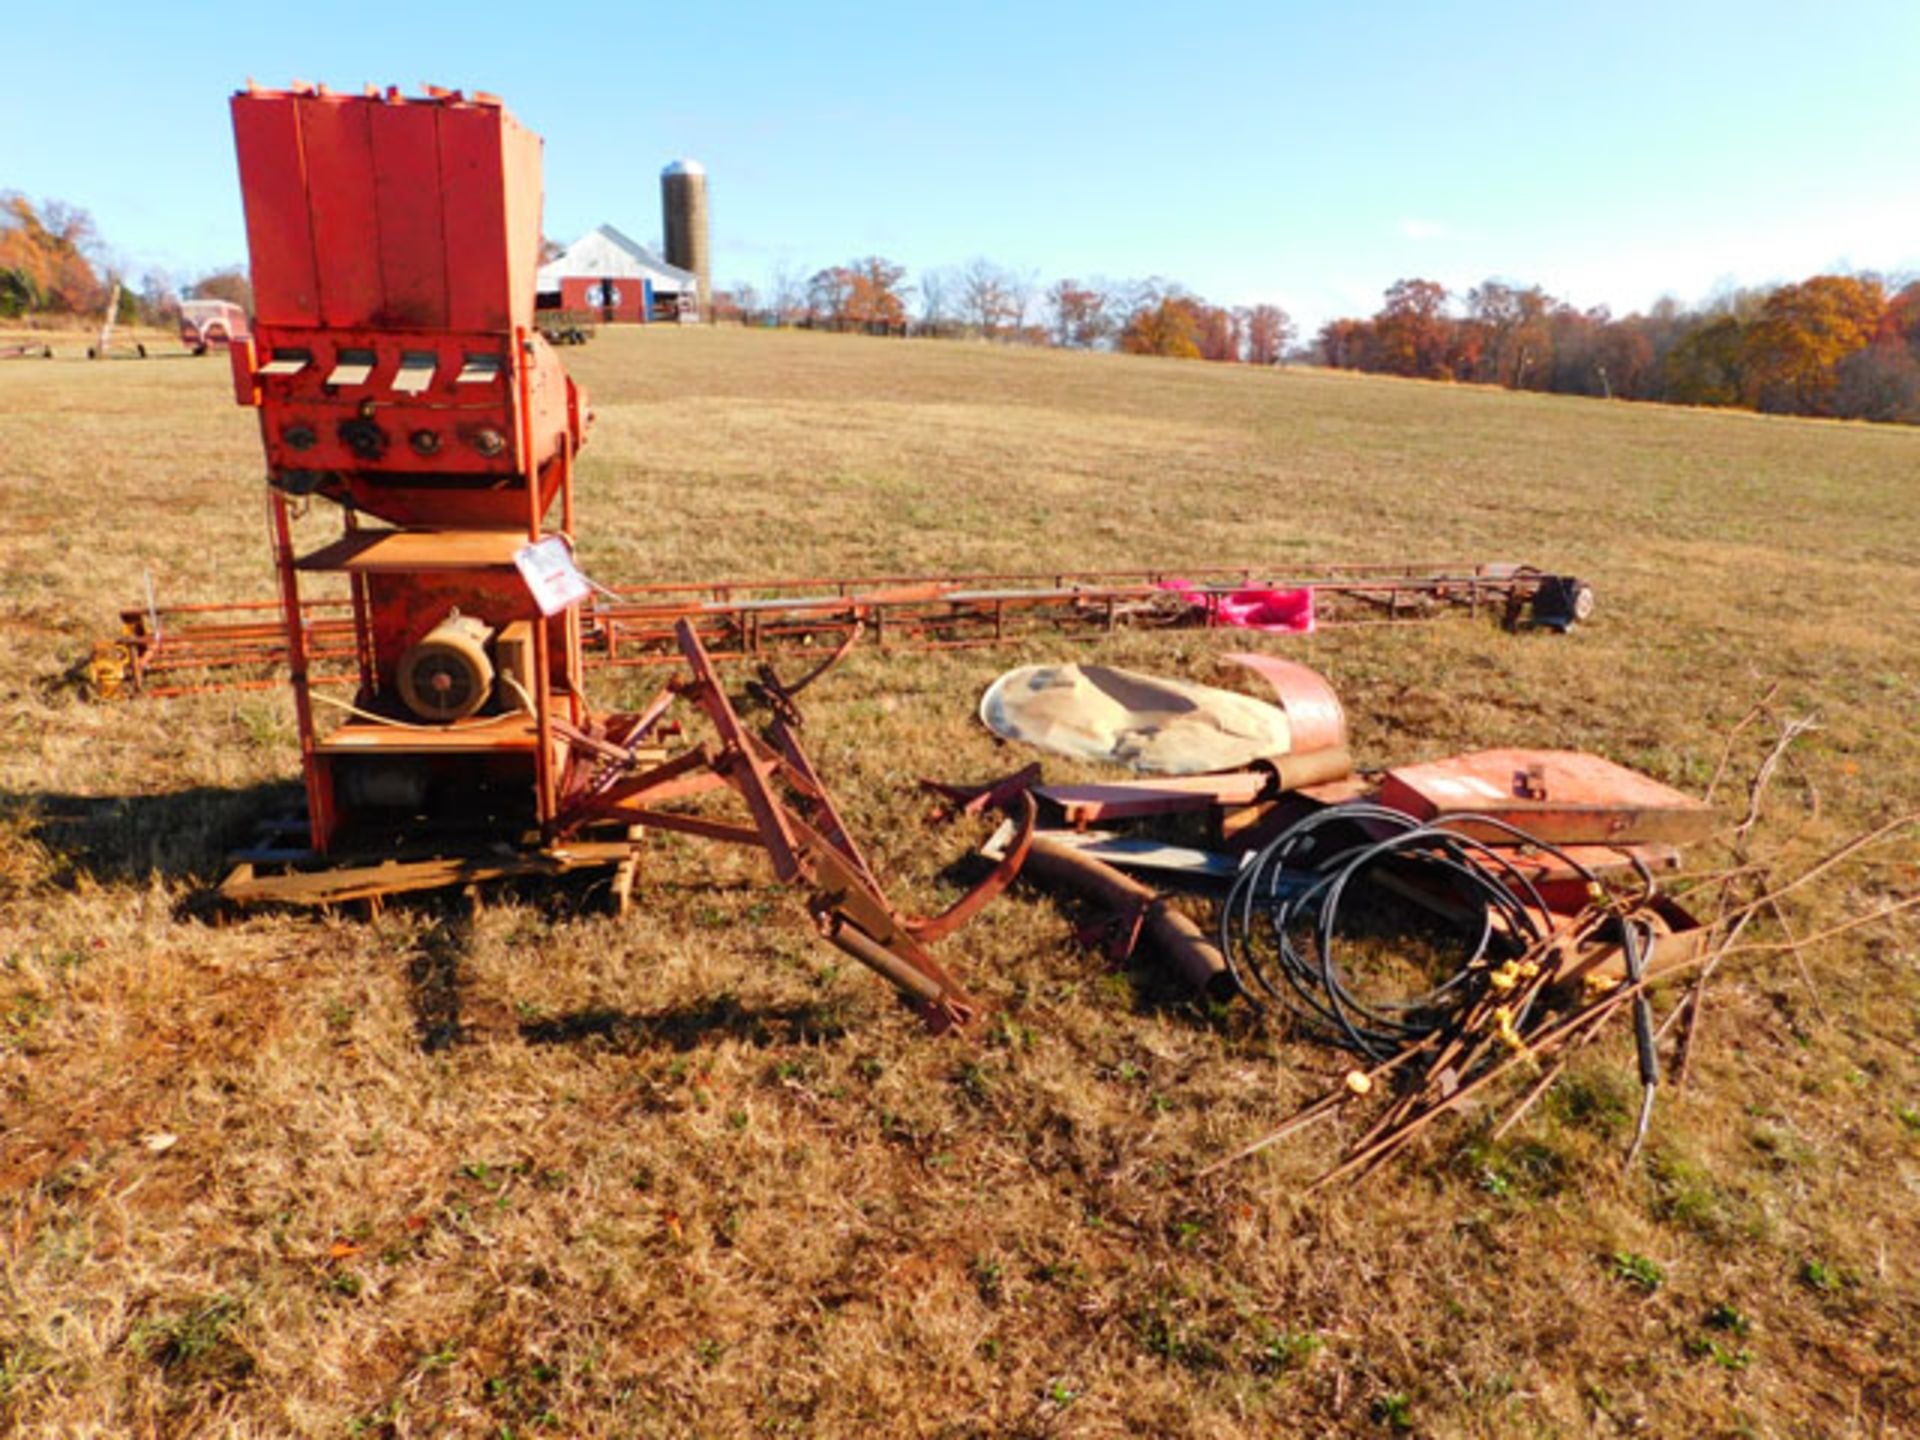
(1294, 889)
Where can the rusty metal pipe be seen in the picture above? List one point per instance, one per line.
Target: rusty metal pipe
(850, 939)
(1312, 767)
(1180, 941)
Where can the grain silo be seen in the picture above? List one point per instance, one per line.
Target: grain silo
(683, 203)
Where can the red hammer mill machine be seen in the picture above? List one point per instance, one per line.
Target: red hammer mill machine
(399, 380)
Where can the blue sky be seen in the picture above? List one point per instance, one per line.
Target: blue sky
(1306, 154)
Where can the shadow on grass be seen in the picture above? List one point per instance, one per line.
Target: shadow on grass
(121, 839)
(721, 1018)
(433, 976)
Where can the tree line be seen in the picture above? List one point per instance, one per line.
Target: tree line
(984, 300)
(1846, 346)
(54, 263)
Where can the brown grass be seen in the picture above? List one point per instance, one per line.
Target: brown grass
(532, 1169)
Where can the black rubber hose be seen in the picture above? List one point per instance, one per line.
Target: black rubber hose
(1299, 884)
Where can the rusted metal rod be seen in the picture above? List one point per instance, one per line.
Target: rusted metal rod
(1176, 936)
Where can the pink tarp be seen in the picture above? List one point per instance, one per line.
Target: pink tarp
(1282, 612)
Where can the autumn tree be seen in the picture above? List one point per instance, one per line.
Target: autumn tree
(1345, 344)
(1623, 360)
(1023, 291)
(1170, 327)
(1269, 332)
(1516, 335)
(230, 284)
(1831, 345)
(1079, 315)
(1793, 351)
(874, 297)
(1879, 382)
(1216, 332)
(1573, 340)
(1411, 331)
(47, 258)
(1901, 319)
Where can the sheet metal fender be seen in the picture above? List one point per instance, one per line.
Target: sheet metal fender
(1318, 719)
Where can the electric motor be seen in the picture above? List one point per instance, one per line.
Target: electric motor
(447, 674)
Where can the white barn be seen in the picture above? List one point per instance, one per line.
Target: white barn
(616, 278)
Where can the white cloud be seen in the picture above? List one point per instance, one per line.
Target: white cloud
(1422, 229)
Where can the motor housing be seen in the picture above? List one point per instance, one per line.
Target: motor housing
(448, 675)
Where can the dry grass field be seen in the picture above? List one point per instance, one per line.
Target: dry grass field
(524, 1169)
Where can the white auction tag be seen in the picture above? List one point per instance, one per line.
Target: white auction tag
(555, 581)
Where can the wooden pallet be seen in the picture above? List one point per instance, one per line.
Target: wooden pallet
(273, 872)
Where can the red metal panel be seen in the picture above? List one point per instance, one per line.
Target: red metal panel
(470, 183)
(339, 150)
(443, 429)
(240, 356)
(1562, 796)
(520, 176)
(266, 135)
(412, 237)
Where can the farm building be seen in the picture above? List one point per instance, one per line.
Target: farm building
(616, 278)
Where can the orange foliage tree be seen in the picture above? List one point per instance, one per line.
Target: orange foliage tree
(1169, 327)
(1832, 345)
(1793, 351)
(1219, 336)
(1346, 344)
(44, 262)
(1516, 338)
(1411, 333)
(874, 299)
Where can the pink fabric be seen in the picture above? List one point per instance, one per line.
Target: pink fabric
(1283, 612)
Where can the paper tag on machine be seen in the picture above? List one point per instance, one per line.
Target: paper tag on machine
(553, 579)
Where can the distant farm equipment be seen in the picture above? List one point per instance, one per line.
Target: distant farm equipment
(565, 327)
(103, 348)
(207, 323)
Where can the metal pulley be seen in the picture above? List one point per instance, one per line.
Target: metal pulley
(448, 675)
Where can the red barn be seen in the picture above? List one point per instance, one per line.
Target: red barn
(614, 278)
